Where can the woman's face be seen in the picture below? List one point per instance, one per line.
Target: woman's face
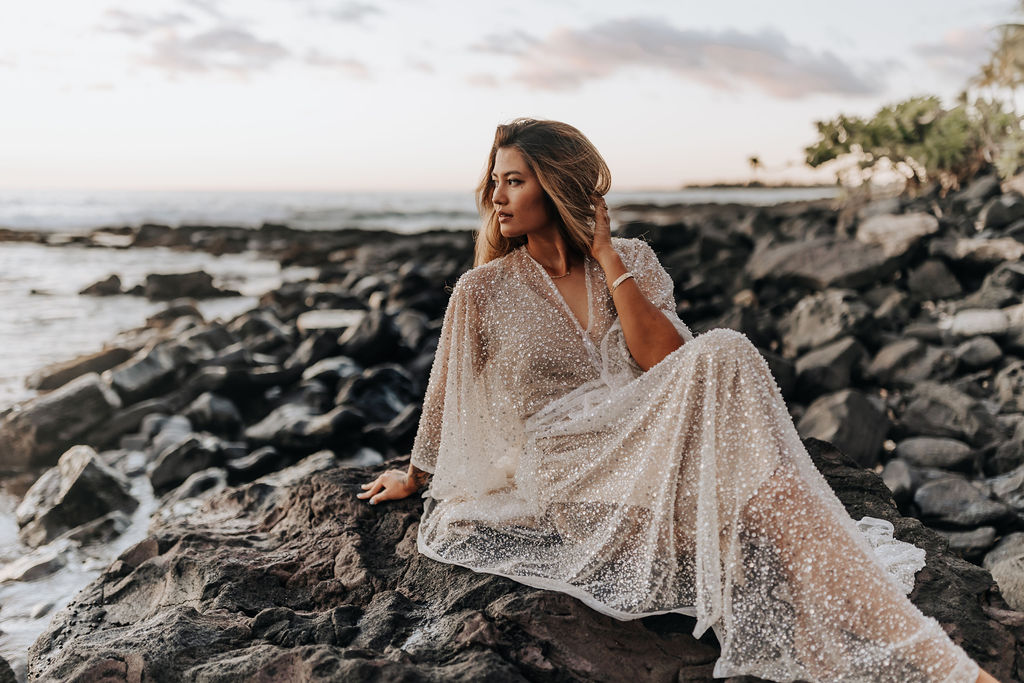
(518, 198)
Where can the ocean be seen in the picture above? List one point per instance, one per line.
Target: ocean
(81, 210)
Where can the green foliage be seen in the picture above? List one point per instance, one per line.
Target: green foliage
(924, 141)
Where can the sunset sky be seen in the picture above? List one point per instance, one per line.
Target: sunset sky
(402, 94)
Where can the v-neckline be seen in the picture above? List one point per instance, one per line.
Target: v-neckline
(584, 331)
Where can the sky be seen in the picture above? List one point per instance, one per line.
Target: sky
(406, 94)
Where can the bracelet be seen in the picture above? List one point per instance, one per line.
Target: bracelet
(620, 279)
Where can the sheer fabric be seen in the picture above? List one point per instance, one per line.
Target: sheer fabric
(559, 463)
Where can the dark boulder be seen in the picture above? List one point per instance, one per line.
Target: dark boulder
(79, 489)
(59, 374)
(196, 285)
(36, 432)
(848, 420)
(108, 286)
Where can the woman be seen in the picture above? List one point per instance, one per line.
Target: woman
(580, 439)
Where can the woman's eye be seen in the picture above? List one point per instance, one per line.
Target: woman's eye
(513, 181)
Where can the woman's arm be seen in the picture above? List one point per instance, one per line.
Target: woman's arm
(649, 334)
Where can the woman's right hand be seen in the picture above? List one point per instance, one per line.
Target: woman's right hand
(391, 485)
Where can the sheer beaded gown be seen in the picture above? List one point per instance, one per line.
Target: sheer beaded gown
(559, 463)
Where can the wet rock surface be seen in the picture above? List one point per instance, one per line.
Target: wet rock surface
(291, 577)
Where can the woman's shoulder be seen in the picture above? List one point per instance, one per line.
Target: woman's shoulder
(481, 280)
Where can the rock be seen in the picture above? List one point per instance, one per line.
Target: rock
(107, 287)
(6, 672)
(959, 503)
(35, 565)
(977, 322)
(879, 207)
(162, 431)
(940, 410)
(978, 189)
(932, 280)
(299, 428)
(328, 320)
(896, 234)
(195, 285)
(905, 362)
(822, 263)
(1000, 211)
(1006, 562)
(1009, 386)
(924, 451)
(821, 318)
(413, 327)
(40, 609)
(36, 432)
(396, 435)
(150, 372)
(978, 352)
(256, 464)
(971, 543)
(374, 340)
(100, 530)
(896, 475)
(331, 370)
(380, 393)
(1009, 488)
(213, 413)
(174, 311)
(59, 374)
(201, 484)
(977, 251)
(850, 422)
(177, 462)
(828, 368)
(80, 488)
(364, 457)
(285, 575)
(314, 348)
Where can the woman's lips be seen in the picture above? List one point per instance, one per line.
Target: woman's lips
(504, 217)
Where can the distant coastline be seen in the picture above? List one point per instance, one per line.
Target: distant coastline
(755, 184)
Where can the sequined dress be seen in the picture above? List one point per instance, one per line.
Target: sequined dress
(559, 463)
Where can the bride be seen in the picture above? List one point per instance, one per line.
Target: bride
(577, 437)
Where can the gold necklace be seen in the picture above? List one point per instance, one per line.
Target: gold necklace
(555, 277)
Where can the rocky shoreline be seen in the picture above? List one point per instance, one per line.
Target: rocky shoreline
(895, 331)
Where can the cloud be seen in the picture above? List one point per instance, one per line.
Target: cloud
(420, 65)
(135, 24)
(960, 53)
(350, 67)
(482, 80)
(766, 60)
(224, 49)
(517, 43)
(208, 7)
(353, 12)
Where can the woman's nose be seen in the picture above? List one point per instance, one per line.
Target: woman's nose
(497, 196)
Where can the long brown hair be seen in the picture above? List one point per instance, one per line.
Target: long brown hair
(569, 169)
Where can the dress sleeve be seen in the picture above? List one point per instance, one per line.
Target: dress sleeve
(656, 284)
(457, 361)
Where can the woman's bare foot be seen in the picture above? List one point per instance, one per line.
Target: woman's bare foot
(983, 677)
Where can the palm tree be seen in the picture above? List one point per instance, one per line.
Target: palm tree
(1005, 67)
(756, 165)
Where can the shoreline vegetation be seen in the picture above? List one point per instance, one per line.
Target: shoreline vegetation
(894, 328)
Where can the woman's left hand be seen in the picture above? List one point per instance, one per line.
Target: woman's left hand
(602, 243)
